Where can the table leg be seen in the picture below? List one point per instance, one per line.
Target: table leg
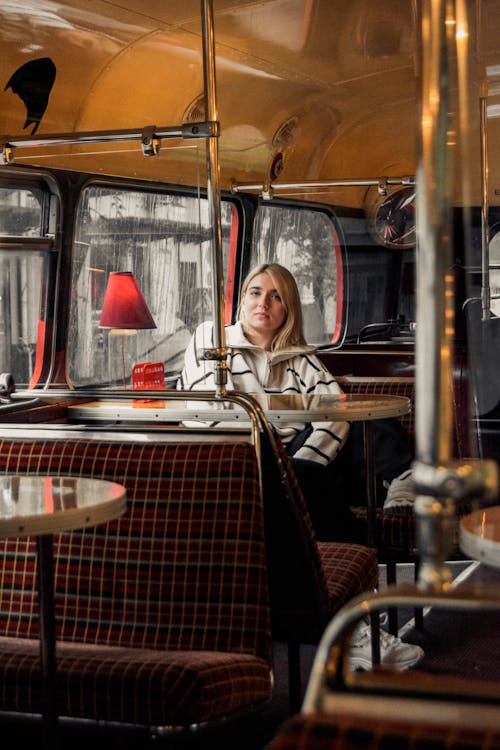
(371, 491)
(47, 636)
(371, 504)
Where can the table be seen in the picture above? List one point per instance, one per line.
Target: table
(278, 408)
(479, 535)
(41, 506)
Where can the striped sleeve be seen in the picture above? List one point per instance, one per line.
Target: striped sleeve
(326, 438)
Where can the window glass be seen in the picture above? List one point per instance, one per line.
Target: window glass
(379, 285)
(369, 275)
(307, 243)
(165, 240)
(26, 308)
(21, 212)
(23, 277)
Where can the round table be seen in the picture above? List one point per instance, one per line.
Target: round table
(41, 506)
(33, 505)
(480, 535)
(277, 408)
(351, 407)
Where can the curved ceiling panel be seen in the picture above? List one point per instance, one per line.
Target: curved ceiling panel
(344, 74)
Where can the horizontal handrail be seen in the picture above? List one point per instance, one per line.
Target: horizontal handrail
(327, 675)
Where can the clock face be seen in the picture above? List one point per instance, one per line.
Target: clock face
(392, 218)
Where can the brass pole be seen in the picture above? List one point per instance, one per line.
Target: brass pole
(214, 196)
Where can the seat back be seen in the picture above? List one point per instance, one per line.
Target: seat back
(325, 732)
(298, 587)
(396, 533)
(184, 568)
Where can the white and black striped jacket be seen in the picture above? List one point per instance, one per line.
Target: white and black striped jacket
(253, 370)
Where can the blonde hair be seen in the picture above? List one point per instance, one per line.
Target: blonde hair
(291, 332)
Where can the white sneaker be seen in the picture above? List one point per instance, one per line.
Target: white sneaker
(393, 652)
(400, 493)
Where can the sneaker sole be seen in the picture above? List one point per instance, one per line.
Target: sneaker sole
(361, 662)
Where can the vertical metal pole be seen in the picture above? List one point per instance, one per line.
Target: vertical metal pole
(213, 189)
(485, 240)
(435, 293)
(47, 640)
(371, 492)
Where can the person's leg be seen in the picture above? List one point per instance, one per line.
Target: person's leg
(325, 495)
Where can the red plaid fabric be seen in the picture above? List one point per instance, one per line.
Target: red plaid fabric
(324, 732)
(135, 686)
(350, 569)
(172, 598)
(395, 533)
(384, 386)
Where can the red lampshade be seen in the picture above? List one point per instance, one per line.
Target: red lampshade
(124, 306)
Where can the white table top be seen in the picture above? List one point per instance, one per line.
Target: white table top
(45, 505)
(480, 535)
(277, 408)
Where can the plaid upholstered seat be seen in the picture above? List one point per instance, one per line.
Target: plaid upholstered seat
(163, 615)
(309, 581)
(324, 732)
(395, 534)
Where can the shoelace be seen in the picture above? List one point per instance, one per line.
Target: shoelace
(403, 478)
(363, 636)
(387, 639)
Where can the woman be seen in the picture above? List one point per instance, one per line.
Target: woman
(267, 353)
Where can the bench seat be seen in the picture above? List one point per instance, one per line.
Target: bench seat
(134, 685)
(163, 615)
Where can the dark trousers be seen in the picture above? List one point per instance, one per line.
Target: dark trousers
(330, 490)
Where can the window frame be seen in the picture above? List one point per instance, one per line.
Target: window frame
(47, 244)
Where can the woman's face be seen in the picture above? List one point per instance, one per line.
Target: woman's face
(262, 307)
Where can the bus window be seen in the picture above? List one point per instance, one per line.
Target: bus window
(26, 257)
(379, 284)
(307, 243)
(165, 240)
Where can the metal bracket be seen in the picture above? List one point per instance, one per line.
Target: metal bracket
(150, 144)
(207, 129)
(220, 370)
(215, 354)
(267, 191)
(457, 479)
(382, 186)
(7, 155)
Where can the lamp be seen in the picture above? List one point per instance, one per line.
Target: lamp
(124, 310)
